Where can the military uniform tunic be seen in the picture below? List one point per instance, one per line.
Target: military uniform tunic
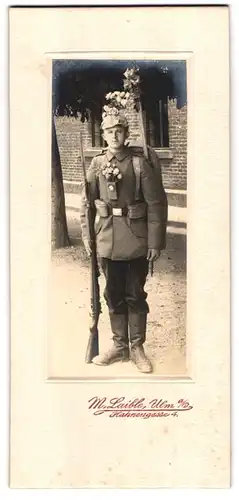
(128, 236)
(123, 240)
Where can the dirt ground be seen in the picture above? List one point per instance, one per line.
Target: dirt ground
(69, 313)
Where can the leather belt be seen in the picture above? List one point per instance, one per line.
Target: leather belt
(119, 212)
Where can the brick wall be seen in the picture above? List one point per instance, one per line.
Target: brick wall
(175, 174)
(67, 130)
(174, 170)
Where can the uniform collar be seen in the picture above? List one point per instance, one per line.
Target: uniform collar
(120, 156)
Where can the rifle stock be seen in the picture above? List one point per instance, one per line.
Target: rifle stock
(92, 349)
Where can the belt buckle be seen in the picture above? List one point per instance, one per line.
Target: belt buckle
(117, 211)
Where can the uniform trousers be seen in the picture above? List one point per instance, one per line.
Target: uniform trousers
(125, 280)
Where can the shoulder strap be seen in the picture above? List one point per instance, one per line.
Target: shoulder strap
(102, 152)
(136, 166)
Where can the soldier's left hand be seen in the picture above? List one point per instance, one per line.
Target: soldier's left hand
(153, 254)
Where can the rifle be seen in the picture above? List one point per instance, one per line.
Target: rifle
(145, 150)
(92, 349)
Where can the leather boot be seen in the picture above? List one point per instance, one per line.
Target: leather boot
(137, 335)
(120, 349)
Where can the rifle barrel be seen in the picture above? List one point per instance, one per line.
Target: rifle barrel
(142, 130)
(83, 164)
(92, 349)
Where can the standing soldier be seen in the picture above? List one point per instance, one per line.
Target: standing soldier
(130, 233)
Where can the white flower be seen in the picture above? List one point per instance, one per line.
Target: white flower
(108, 96)
(110, 170)
(135, 81)
(122, 94)
(128, 73)
(116, 170)
(119, 176)
(108, 164)
(107, 176)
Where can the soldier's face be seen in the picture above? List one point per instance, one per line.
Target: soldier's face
(115, 136)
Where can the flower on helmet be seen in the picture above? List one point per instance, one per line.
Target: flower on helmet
(113, 111)
(117, 101)
(106, 108)
(123, 102)
(128, 73)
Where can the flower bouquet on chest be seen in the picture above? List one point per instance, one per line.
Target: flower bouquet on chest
(112, 175)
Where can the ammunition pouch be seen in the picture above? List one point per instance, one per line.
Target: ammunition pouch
(136, 211)
(102, 208)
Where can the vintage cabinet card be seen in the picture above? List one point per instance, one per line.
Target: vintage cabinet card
(77, 424)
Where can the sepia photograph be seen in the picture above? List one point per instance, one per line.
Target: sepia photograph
(120, 253)
(119, 218)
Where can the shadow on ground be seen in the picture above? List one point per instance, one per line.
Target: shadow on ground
(70, 291)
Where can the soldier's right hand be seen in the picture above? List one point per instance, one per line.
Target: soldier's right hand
(87, 247)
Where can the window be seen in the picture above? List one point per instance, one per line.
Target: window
(156, 123)
(96, 132)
